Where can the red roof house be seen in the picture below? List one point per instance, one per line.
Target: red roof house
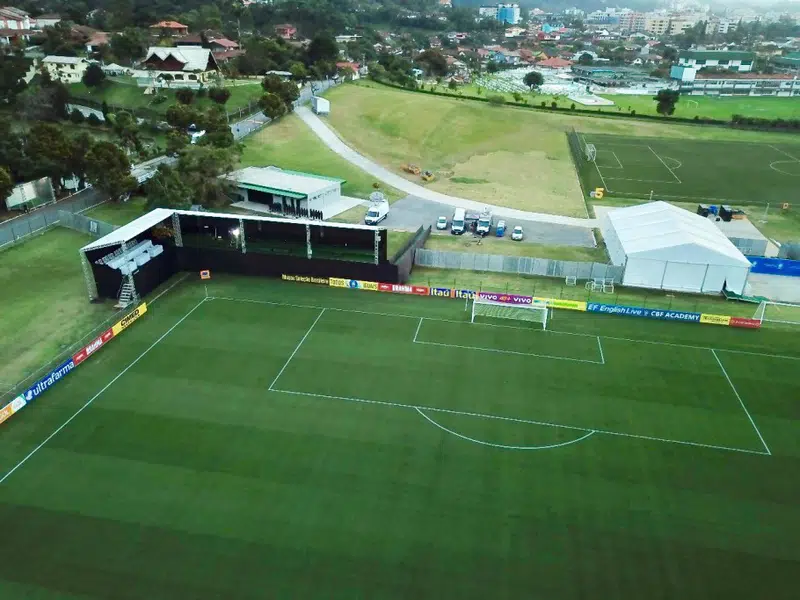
(286, 31)
(169, 28)
(554, 63)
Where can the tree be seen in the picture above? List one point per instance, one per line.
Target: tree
(496, 100)
(285, 90)
(666, 99)
(93, 76)
(80, 146)
(76, 116)
(129, 45)
(12, 70)
(49, 150)
(215, 123)
(220, 95)
(585, 59)
(323, 47)
(6, 183)
(533, 79)
(492, 67)
(109, 170)
(184, 96)
(298, 71)
(126, 127)
(433, 62)
(181, 116)
(452, 85)
(167, 189)
(272, 105)
(176, 141)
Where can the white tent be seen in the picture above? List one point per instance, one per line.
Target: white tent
(666, 247)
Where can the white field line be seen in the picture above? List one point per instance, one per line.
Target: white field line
(537, 331)
(502, 446)
(98, 394)
(300, 343)
(666, 165)
(642, 180)
(794, 158)
(738, 397)
(419, 326)
(517, 420)
(498, 351)
(600, 346)
(619, 162)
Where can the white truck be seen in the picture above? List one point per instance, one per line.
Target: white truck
(484, 223)
(458, 224)
(378, 209)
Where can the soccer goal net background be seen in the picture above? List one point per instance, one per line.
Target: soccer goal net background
(533, 313)
(778, 312)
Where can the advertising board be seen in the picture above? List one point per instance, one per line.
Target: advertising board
(306, 279)
(715, 319)
(128, 319)
(93, 346)
(643, 313)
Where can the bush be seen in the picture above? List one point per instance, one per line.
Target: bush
(544, 104)
(572, 106)
(94, 120)
(219, 95)
(496, 100)
(554, 104)
(76, 116)
(633, 113)
(158, 99)
(201, 93)
(184, 96)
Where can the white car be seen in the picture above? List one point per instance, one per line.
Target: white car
(441, 224)
(517, 234)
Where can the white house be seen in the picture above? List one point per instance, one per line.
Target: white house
(186, 66)
(289, 192)
(722, 59)
(66, 69)
(665, 247)
(14, 18)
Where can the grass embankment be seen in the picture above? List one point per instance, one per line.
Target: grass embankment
(118, 213)
(45, 303)
(507, 247)
(503, 155)
(123, 92)
(290, 144)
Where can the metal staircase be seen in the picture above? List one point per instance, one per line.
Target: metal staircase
(127, 293)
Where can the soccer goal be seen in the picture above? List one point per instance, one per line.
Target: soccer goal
(534, 313)
(591, 152)
(778, 312)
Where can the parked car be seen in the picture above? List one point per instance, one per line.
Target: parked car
(500, 229)
(517, 234)
(441, 224)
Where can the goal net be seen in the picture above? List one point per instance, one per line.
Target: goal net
(778, 312)
(591, 152)
(534, 313)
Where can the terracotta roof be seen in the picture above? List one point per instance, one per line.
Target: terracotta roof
(554, 63)
(168, 25)
(345, 65)
(99, 38)
(225, 43)
(226, 55)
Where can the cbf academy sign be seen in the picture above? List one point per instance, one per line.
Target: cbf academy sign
(643, 313)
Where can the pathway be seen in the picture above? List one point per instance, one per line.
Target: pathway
(329, 137)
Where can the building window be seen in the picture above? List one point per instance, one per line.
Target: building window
(700, 61)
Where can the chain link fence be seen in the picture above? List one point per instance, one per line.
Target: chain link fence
(84, 224)
(45, 216)
(790, 250)
(518, 265)
(750, 246)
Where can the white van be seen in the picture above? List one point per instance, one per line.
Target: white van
(377, 212)
(457, 227)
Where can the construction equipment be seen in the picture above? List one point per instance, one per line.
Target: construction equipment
(408, 168)
(428, 176)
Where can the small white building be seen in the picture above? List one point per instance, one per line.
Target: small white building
(320, 106)
(665, 247)
(66, 69)
(289, 192)
(721, 59)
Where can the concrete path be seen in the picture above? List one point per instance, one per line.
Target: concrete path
(329, 137)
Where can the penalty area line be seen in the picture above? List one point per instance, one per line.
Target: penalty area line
(100, 393)
(300, 343)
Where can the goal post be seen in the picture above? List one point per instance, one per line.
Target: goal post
(532, 313)
(785, 313)
(591, 152)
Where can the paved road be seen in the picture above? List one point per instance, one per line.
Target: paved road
(411, 212)
(329, 137)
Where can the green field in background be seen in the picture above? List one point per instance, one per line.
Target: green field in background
(375, 471)
(696, 170)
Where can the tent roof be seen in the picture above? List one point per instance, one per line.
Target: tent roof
(131, 230)
(273, 178)
(646, 229)
(156, 216)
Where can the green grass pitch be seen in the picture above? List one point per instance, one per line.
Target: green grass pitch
(692, 170)
(283, 440)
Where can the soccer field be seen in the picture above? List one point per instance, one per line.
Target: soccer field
(691, 170)
(281, 440)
